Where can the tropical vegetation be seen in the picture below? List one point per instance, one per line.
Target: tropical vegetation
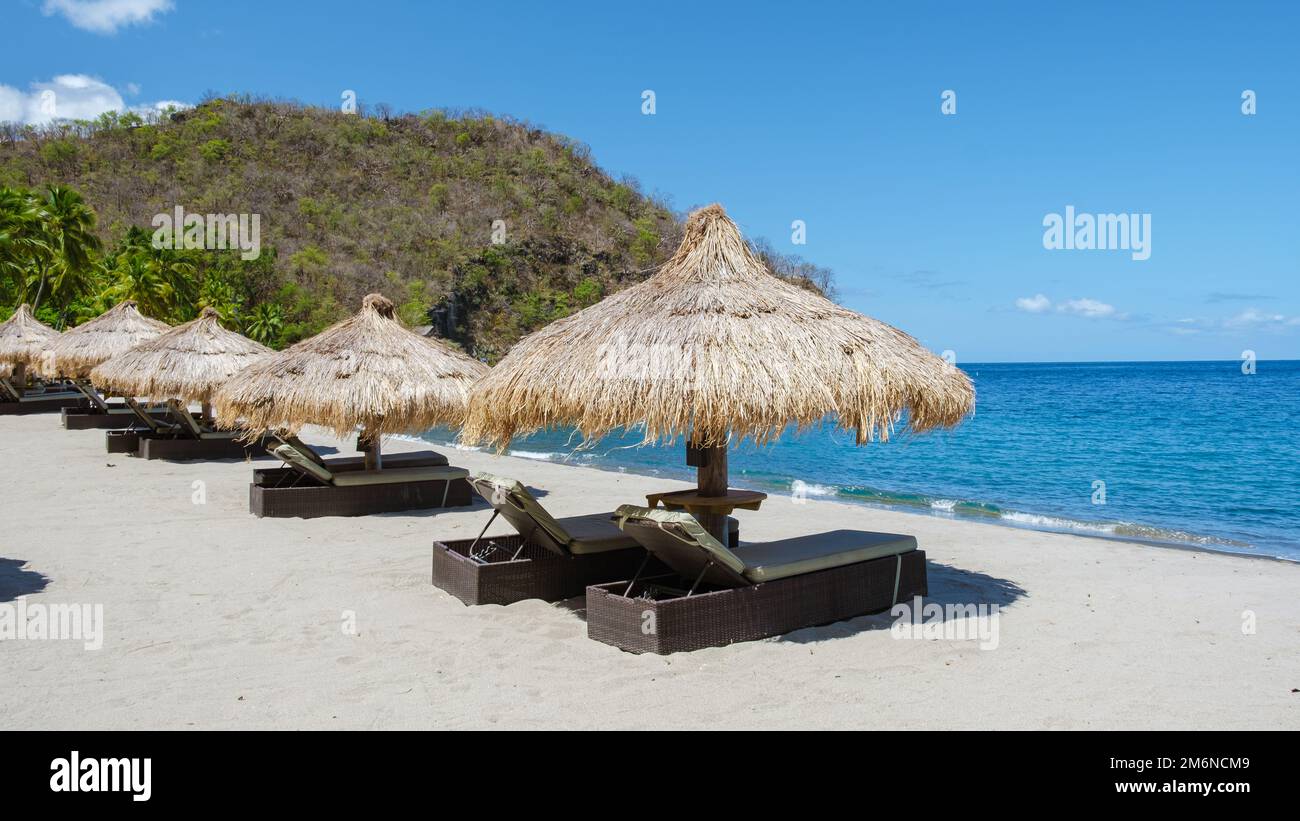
(485, 227)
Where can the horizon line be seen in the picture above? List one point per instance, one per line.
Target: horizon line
(1115, 361)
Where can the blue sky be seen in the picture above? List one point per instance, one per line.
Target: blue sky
(830, 114)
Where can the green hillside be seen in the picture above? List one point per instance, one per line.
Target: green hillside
(346, 205)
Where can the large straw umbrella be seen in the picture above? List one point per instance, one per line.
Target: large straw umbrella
(715, 348)
(368, 371)
(80, 350)
(23, 338)
(186, 364)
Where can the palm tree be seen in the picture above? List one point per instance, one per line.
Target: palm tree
(265, 324)
(137, 277)
(67, 226)
(160, 280)
(21, 241)
(219, 296)
(180, 275)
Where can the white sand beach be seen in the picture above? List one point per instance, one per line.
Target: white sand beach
(215, 619)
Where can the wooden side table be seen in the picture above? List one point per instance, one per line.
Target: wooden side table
(696, 504)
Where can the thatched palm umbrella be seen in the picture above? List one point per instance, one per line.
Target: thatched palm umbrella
(186, 364)
(80, 350)
(23, 338)
(367, 371)
(715, 348)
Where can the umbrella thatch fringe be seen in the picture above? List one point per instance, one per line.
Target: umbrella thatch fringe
(715, 348)
(78, 351)
(189, 362)
(367, 371)
(23, 338)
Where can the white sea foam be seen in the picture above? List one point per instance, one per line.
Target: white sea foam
(943, 504)
(820, 490)
(1056, 523)
(459, 446)
(533, 454)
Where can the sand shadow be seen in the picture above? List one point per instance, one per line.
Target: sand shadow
(948, 586)
(953, 585)
(15, 582)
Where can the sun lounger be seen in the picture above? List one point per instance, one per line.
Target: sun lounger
(95, 413)
(545, 558)
(713, 596)
(180, 436)
(40, 399)
(308, 486)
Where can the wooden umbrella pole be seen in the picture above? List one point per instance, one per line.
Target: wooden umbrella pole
(711, 480)
(20, 377)
(374, 458)
(207, 413)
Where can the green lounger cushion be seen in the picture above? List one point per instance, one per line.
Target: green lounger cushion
(761, 562)
(519, 508)
(783, 558)
(594, 533)
(298, 459)
(354, 478)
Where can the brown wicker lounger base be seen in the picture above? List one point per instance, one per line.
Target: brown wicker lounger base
(42, 405)
(122, 441)
(149, 445)
(314, 502)
(85, 418)
(676, 623)
(179, 449)
(282, 493)
(537, 573)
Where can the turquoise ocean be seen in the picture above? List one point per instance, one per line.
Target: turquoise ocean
(1194, 454)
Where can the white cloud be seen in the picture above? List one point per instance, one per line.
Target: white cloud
(1255, 318)
(160, 106)
(1034, 304)
(1250, 320)
(1084, 307)
(1090, 308)
(106, 16)
(67, 97)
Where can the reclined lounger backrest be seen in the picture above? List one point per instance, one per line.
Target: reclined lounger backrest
(679, 541)
(305, 451)
(185, 419)
(513, 501)
(146, 418)
(7, 391)
(295, 458)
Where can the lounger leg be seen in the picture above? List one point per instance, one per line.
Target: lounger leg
(637, 575)
(474, 544)
(700, 578)
(524, 542)
(898, 571)
(293, 478)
